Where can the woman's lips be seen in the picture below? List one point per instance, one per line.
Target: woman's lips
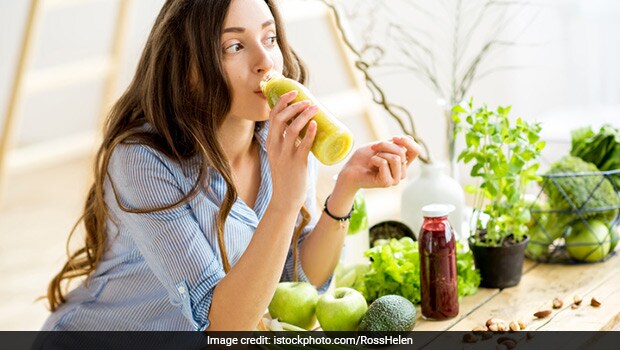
(260, 94)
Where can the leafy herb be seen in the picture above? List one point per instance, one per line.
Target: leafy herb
(395, 269)
(503, 154)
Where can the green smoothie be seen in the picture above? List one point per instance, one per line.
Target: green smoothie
(333, 140)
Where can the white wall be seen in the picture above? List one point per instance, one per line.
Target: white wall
(64, 112)
(574, 73)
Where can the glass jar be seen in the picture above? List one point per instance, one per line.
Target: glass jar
(438, 274)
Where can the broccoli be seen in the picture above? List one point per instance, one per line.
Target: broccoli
(589, 193)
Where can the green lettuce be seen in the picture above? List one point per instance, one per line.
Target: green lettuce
(395, 269)
(468, 275)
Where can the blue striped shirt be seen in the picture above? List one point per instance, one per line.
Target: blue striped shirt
(159, 270)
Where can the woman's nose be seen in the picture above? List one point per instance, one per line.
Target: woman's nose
(264, 61)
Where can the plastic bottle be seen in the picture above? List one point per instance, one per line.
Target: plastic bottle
(438, 274)
(333, 140)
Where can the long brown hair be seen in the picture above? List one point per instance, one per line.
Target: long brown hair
(184, 42)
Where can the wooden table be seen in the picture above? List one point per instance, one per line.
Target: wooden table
(540, 284)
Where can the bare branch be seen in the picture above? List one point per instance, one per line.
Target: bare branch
(455, 49)
(494, 70)
(399, 65)
(419, 8)
(379, 98)
(406, 48)
(470, 74)
(377, 93)
(429, 72)
(475, 24)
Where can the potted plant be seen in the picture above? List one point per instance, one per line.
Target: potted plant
(503, 156)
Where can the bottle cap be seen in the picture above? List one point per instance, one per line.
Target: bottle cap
(437, 210)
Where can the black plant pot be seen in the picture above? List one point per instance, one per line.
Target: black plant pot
(500, 267)
(389, 229)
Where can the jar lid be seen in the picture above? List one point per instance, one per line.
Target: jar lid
(437, 210)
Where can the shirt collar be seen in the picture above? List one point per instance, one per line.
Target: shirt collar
(241, 210)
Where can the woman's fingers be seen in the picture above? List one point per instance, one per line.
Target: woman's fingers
(283, 101)
(392, 148)
(306, 143)
(294, 129)
(383, 175)
(283, 118)
(412, 148)
(281, 113)
(395, 166)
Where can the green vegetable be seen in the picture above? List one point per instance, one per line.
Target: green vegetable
(390, 313)
(590, 193)
(538, 246)
(395, 269)
(538, 211)
(588, 242)
(503, 154)
(614, 237)
(359, 216)
(351, 276)
(601, 149)
(468, 276)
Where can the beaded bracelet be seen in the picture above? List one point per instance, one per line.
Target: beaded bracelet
(341, 219)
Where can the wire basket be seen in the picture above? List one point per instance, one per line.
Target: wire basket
(580, 228)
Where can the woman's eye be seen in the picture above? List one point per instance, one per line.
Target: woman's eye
(233, 48)
(272, 40)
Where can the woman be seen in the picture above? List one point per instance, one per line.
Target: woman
(203, 200)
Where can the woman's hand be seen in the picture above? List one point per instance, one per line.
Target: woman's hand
(288, 157)
(379, 164)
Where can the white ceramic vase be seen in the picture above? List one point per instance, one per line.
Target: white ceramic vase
(432, 185)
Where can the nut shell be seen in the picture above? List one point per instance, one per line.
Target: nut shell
(542, 313)
(514, 326)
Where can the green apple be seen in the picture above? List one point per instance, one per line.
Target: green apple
(539, 217)
(341, 310)
(614, 237)
(538, 246)
(294, 303)
(588, 244)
